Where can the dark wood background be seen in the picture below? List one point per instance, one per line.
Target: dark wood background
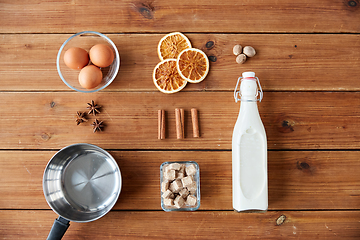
(308, 61)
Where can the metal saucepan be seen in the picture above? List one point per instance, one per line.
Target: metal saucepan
(81, 183)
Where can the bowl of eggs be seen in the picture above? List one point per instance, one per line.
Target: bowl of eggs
(88, 61)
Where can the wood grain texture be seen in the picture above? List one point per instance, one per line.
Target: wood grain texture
(284, 62)
(188, 16)
(184, 225)
(46, 120)
(308, 61)
(297, 180)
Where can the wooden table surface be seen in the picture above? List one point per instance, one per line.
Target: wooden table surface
(308, 61)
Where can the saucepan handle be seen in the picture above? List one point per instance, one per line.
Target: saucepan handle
(58, 229)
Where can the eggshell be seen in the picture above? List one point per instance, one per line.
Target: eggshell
(76, 58)
(101, 55)
(90, 77)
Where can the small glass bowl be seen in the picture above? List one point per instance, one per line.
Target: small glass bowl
(86, 40)
(197, 193)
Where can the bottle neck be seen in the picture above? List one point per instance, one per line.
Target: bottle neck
(248, 90)
(248, 106)
(248, 110)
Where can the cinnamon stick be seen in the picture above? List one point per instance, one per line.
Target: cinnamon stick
(161, 124)
(179, 117)
(195, 122)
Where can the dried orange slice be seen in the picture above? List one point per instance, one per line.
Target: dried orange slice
(166, 77)
(193, 65)
(172, 44)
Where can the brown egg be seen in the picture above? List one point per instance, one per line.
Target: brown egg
(76, 58)
(90, 77)
(101, 55)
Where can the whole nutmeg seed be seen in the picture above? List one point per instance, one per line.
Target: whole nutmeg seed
(249, 51)
(237, 49)
(241, 58)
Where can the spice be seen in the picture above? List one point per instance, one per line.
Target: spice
(241, 58)
(243, 53)
(97, 125)
(179, 117)
(93, 108)
(249, 51)
(195, 123)
(161, 124)
(280, 220)
(237, 49)
(80, 118)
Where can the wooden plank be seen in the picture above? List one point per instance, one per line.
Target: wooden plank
(297, 180)
(200, 16)
(183, 225)
(284, 62)
(307, 120)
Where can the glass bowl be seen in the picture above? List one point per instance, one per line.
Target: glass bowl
(86, 40)
(164, 187)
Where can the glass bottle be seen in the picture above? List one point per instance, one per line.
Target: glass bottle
(249, 149)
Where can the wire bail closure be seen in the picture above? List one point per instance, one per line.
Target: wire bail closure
(237, 94)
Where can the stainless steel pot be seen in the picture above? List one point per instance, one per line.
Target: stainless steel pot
(81, 183)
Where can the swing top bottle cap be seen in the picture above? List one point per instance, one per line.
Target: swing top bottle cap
(248, 89)
(248, 74)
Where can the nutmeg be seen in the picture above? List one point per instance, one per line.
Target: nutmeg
(241, 58)
(237, 49)
(249, 51)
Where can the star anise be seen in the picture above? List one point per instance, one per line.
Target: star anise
(93, 108)
(80, 118)
(97, 125)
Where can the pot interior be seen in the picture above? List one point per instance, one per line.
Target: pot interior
(82, 182)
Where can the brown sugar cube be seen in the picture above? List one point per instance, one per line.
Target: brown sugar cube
(176, 186)
(192, 188)
(182, 169)
(174, 166)
(165, 185)
(168, 202)
(187, 181)
(179, 202)
(169, 174)
(184, 193)
(179, 175)
(167, 194)
(191, 200)
(190, 170)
